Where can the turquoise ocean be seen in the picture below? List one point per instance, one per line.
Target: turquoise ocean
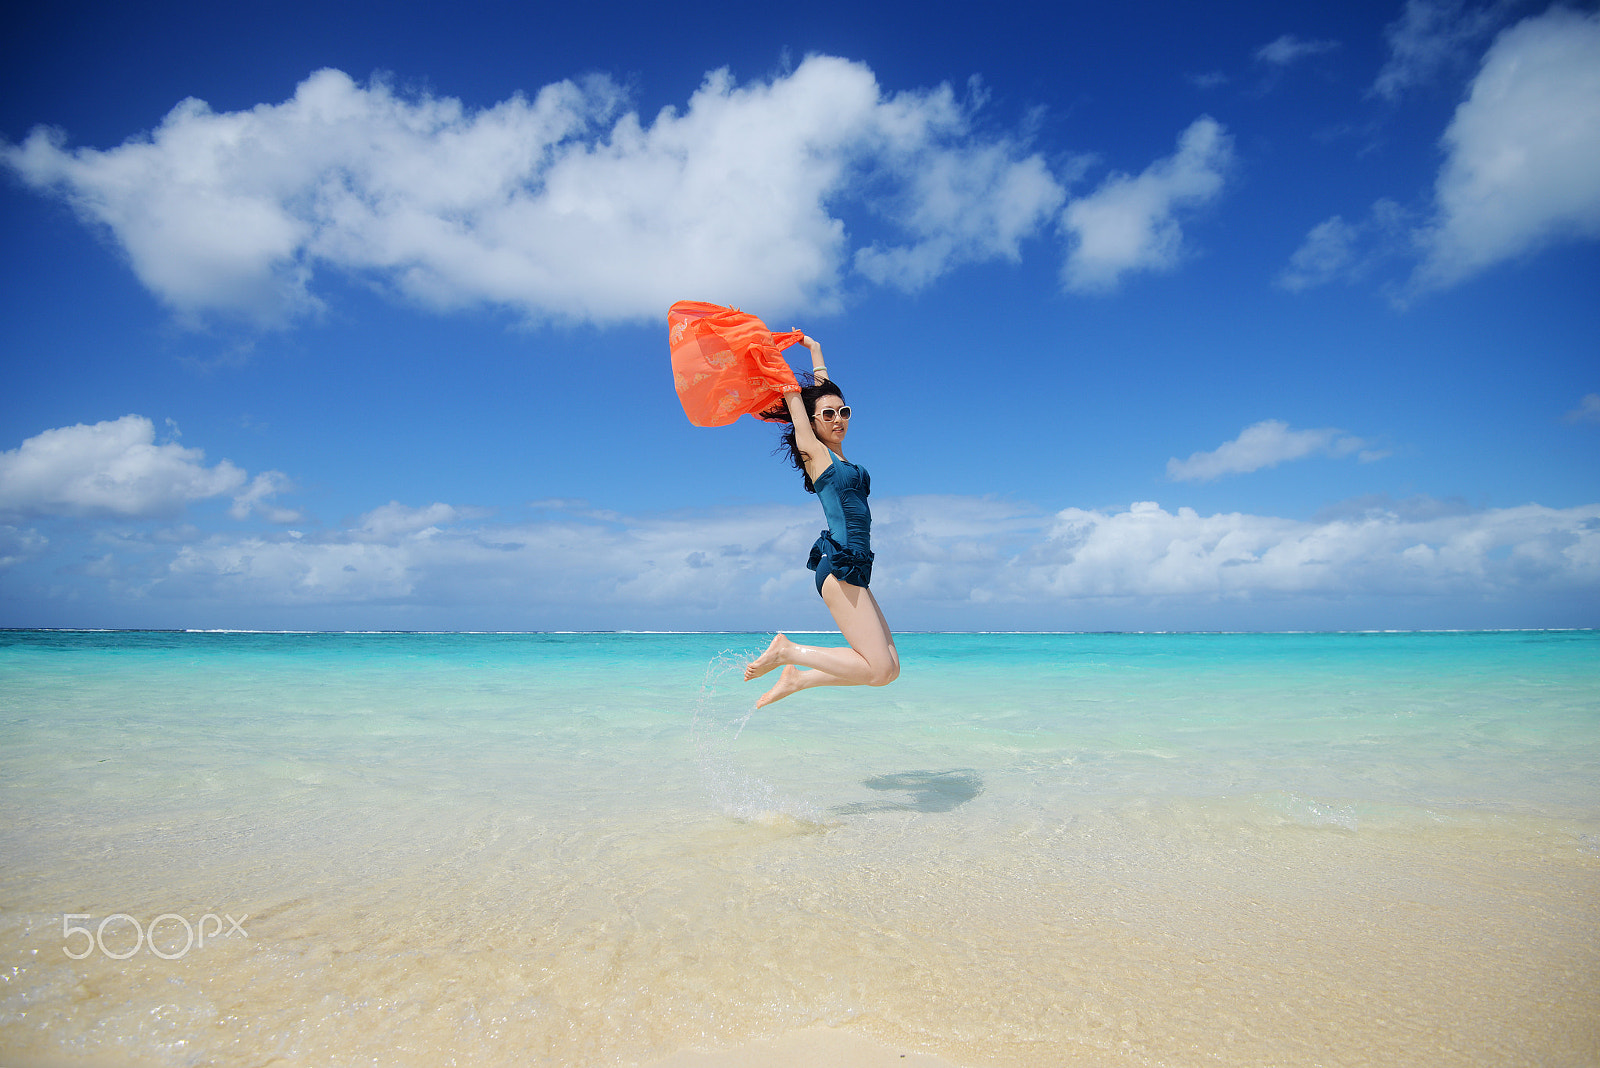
(587, 849)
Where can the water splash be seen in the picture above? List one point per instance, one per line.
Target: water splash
(723, 709)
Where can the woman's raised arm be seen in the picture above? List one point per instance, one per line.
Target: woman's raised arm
(819, 370)
(805, 438)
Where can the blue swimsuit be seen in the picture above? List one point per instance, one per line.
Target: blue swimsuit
(845, 548)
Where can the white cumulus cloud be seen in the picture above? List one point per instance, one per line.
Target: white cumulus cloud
(257, 498)
(1522, 167)
(395, 520)
(1332, 249)
(1289, 49)
(573, 556)
(1429, 38)
(112, 468)
(1587, 411)
(1337, 249)
(736, 567)
(1522, 153)
(1130, 223)
(1265, 444)
(563, 206)
(965, 204)
(1148, 551)
(17, 545)
(948, 561)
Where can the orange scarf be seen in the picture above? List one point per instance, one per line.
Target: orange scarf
(726, 363)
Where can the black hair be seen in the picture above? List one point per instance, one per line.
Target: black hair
(809, 396)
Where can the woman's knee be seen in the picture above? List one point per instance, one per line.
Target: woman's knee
(884, 674)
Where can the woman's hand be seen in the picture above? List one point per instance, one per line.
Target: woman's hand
(819, 370)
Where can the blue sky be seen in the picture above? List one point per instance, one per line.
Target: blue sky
(1154, 316)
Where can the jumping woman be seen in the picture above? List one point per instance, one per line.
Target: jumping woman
(841, 557)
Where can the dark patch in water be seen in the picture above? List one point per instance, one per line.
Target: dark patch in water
(929, 791)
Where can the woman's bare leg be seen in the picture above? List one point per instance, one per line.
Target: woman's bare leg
(871, 659)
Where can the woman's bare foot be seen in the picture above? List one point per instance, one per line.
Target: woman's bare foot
(788, 682)
(768, 660)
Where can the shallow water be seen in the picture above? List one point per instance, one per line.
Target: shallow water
(1031, 850)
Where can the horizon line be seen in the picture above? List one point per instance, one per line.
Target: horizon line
(794, 630)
